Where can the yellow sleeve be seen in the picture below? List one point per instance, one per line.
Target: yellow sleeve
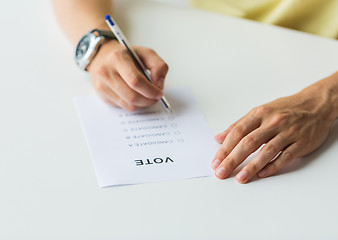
(313, 16)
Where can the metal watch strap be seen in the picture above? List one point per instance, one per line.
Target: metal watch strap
(89, 45)
(106, 34)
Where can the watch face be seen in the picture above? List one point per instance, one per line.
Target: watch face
(83, 46)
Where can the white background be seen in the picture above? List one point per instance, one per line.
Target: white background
(48, 185)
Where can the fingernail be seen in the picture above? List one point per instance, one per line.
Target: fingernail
(262, 173)
(216, 163)
(221, 172)
(242, 175)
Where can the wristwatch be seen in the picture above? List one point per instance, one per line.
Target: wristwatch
(89, 45)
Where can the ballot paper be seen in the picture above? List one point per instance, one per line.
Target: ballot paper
(148, 145)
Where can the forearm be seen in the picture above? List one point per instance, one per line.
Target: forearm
(77, 17)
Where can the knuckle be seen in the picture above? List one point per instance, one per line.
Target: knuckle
(253, 168)
(231, 163)
(102, 72)
(249, 142)
(288, 156)
(223, 149)
(116, 55)
(237, 132)
(260, 111)
(134, 80)
(270, 149)
(279, 118)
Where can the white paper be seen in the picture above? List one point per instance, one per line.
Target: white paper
(149, 145)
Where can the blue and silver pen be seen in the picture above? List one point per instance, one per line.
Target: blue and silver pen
(123, 40)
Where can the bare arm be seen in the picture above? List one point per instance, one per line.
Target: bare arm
(77, 17)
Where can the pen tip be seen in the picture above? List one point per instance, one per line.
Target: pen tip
(169, 110)
(107, 17)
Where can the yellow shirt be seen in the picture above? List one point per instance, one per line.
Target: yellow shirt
(313, 16)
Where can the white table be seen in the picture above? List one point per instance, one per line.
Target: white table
(47, 182)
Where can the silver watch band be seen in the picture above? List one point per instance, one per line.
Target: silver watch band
(89, 45)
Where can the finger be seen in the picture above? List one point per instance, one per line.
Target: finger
(265, 155)
(127, 94)
(237, 132)
(245, 147)
(136, 80)
(221, 136)
(155, 64)
(107, 100)
(109, 96)
(286, 156)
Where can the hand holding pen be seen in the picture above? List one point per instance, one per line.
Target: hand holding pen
(120, 83)
(123, 41)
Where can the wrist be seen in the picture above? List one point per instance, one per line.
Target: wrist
(89, 45)
(325, 92)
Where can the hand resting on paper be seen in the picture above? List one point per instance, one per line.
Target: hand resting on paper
(119, 82)
(289, 128)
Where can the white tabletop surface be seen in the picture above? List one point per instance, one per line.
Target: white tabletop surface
(47, 182)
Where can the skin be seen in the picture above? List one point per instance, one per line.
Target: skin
(290, 128)
(114, 75)
(287, 128)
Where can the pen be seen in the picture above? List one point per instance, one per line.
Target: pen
(123, 40)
